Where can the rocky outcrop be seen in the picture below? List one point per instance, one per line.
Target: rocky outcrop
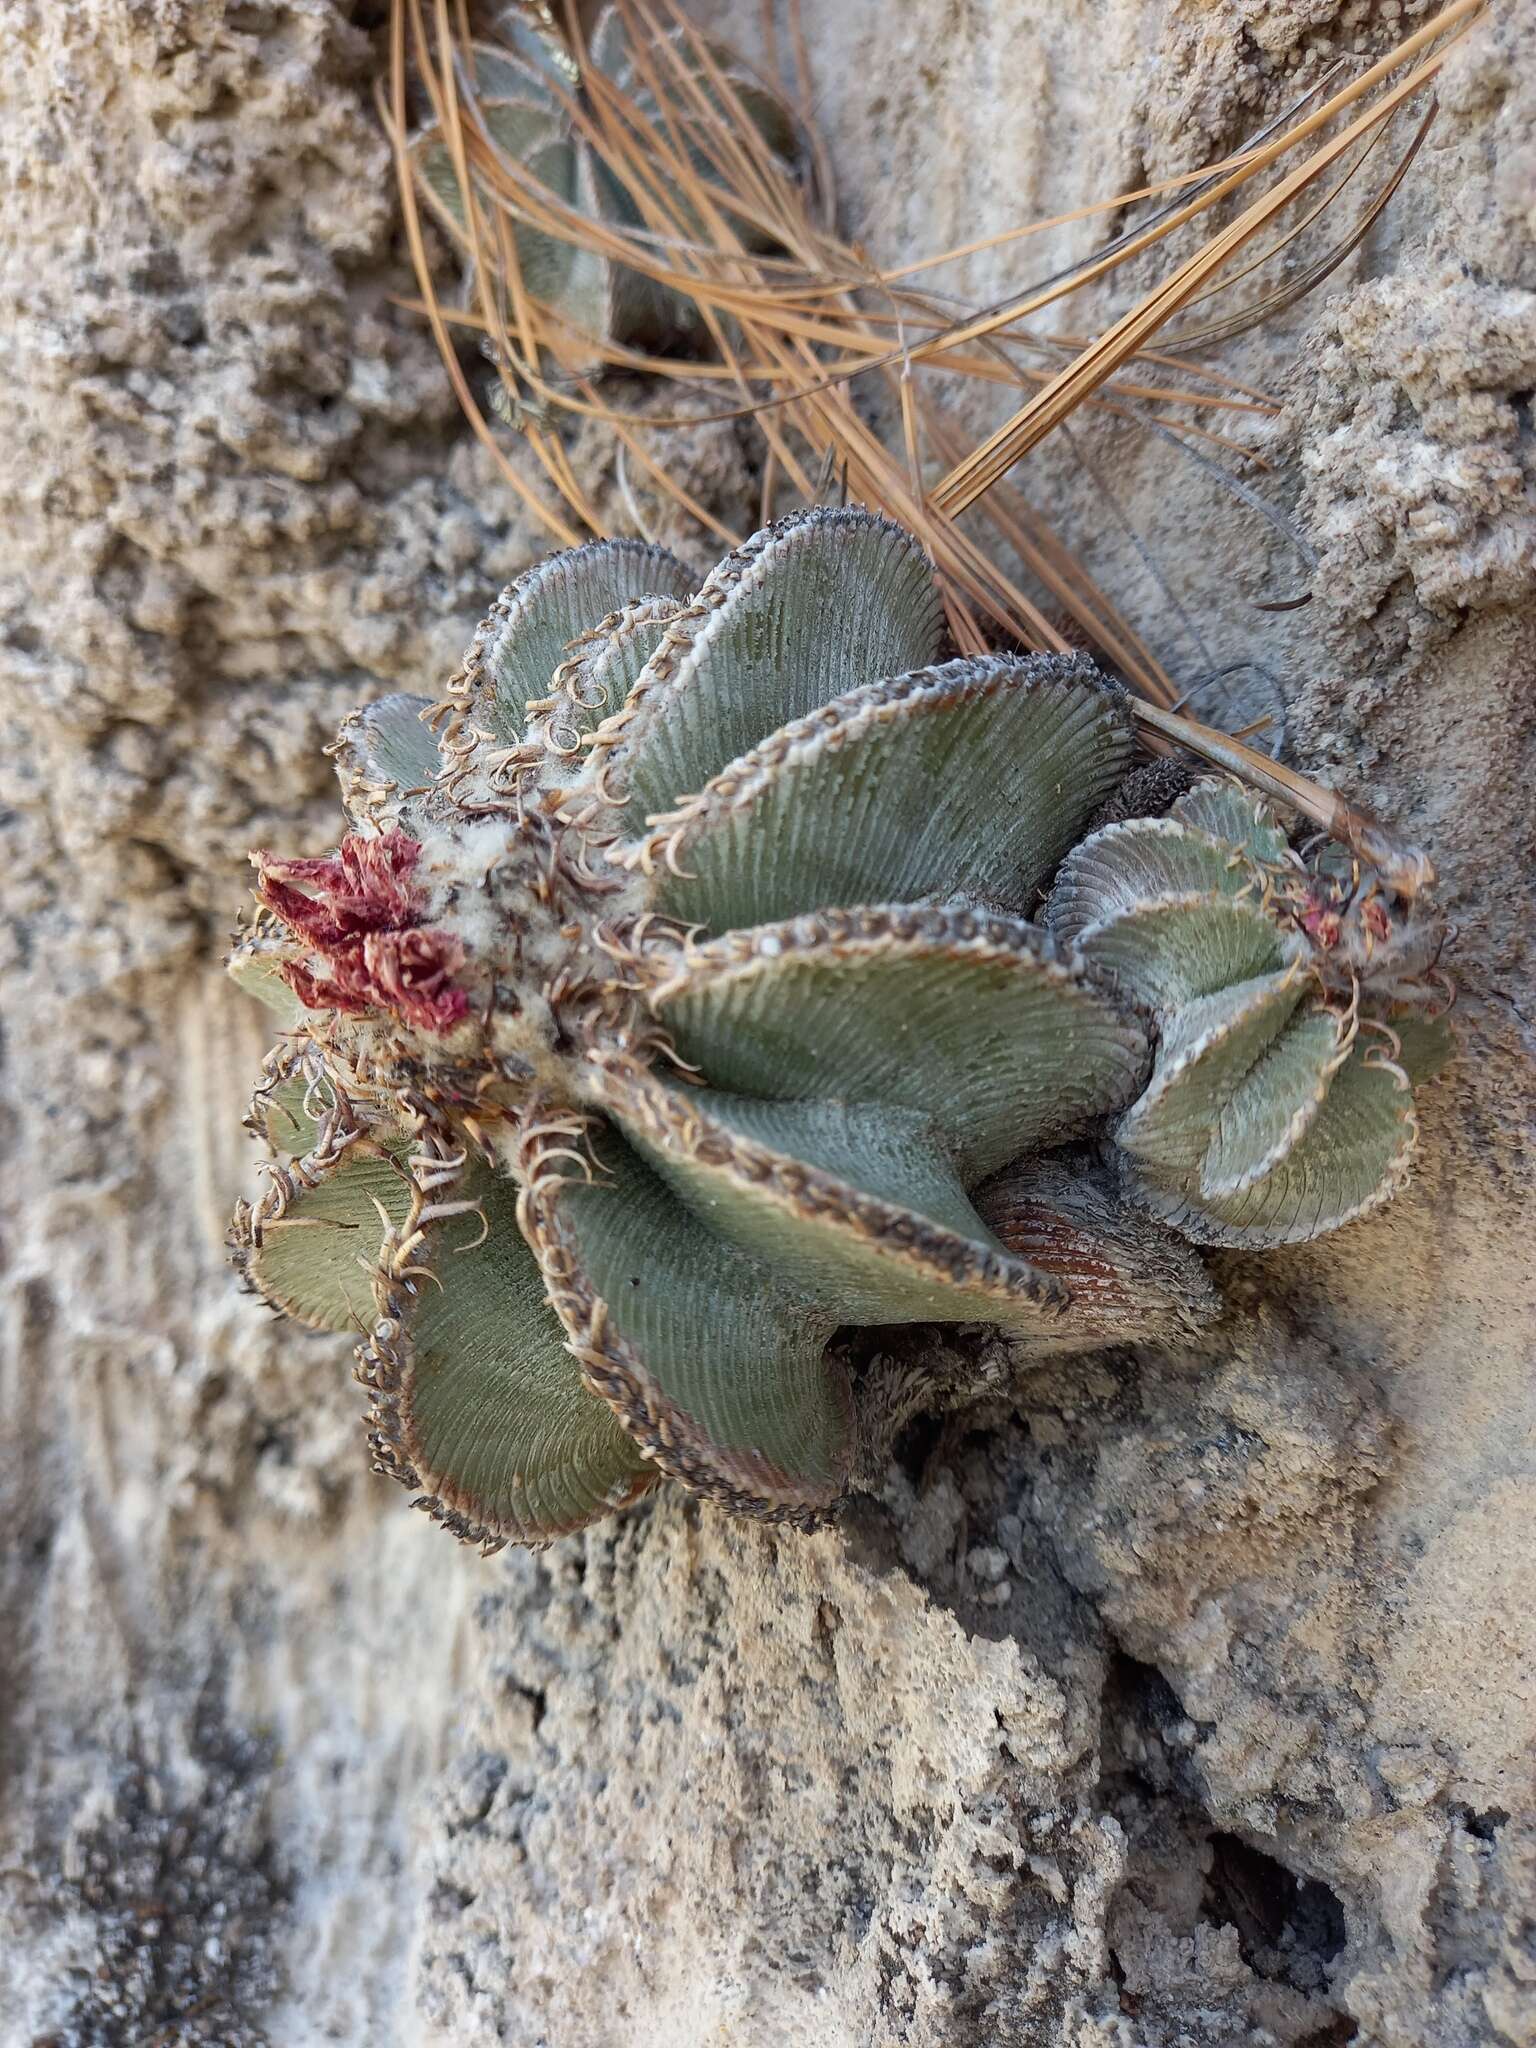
(1164, 1699)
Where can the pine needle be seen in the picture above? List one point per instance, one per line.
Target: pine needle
(795, 321)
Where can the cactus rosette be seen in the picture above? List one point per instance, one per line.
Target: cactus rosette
(676, 996)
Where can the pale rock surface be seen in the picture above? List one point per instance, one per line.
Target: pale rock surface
(1165, 1702)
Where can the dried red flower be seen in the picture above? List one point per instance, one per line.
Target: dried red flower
(358, 910)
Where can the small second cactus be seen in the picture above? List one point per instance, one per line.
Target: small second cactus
(1291, 1003)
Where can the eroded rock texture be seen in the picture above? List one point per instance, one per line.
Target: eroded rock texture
(1165, 1700)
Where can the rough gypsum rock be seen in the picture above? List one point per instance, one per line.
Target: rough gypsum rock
(671, 992)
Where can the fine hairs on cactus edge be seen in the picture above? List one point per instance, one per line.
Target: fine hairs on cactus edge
(718, 965)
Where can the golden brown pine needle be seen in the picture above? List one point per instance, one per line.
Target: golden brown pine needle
(1001, 450)
(559, 529)
(793, 315)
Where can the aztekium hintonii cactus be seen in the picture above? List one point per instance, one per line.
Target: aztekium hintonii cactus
(1294, 1005)
(529, 95)
(672, 1000)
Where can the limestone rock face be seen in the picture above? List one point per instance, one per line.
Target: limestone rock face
(1183, 1697)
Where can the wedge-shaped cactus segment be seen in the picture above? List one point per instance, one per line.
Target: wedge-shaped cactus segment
(706, 93)
(1207, 1047)
(534, 137)
(525, 639)
(575, 282)
(1273, 1106)
(855, 1205)
(387, 761)
(520, 121)
(970, 779)
(314, 1258)
(520, 108)
(1145, 860)
(530, 64)
(1165, 954)
(716, 1370)
(523, 47)
(1235, 816)
(476, 1397)
(943, 1011)
(1353, 1158)
(598, 677)
(806, 611)
(612, 52)
(1130, 1279)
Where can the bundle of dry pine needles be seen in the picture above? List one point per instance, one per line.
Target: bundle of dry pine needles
(799, 328)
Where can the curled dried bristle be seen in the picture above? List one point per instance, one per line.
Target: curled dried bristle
(674, 996)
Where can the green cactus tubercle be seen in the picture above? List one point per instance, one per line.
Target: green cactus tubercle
(674, 998)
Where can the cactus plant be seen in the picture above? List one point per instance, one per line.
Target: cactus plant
(526, 86)
(673, 998)
(1293, 1009)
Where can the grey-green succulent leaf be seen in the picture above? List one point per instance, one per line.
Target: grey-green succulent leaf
(752, 652)
(476, 1398)
(256, 966)
(1169, 952)
(1146, 860)
(971, 779)
(1225, 811)
(575, 282)
(387, 762)
(536, 139)
(313, 1255)
(528, 634)
(599, 675)
(286, 1110)
(972, 1019)
(710, 65)
(856, 1205)
(518, 124)
(699, 94)
(1352, 1158)
(526, 64)
(1207, 1047)
(527, 46)
(1270, 1109)
(715, 1367)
